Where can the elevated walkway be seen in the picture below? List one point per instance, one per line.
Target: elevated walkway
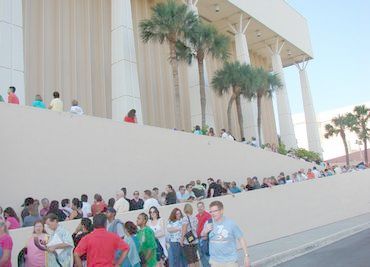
(60, 155)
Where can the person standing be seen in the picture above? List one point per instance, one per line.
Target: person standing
(82, 230)
(156, 223)
(148, 245)
(56, 104)
(60, 244)
(132, 259)
(149, 201)
(38, 103)
(223, 236)
(174, 228)
(100, 246)
(36, 256)
(114, 225)
(131, 116)
(203, 216)
(121, 205)
(6, 246)
(136, 203)
(12, 97)
(189, 239)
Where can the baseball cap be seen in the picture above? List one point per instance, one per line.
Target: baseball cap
(28, 201)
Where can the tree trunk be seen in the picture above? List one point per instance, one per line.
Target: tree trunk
(343, 135)
(365, 151)
(176, 85)
(259, 111)
(240, 116)
(202, 90)
(229, 106)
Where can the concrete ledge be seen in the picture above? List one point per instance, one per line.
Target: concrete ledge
(290, 254)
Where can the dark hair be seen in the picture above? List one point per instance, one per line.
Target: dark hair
(124, 190)
(155, 188)
(84, 198)
(131, 113)
(52, 217)
(170, 186)
(100, 220)
(12, 88)
(188, 185)
(87, 223)
(144, 215)
(11, 212)
(131, 228)
(98, 197)
(172, 217)
(197, 127)
(210, 179)
(111, 202)
(56, 94)
(77, 203)
(218, 204)
(155, 210)
(54, 205)
(65, 202)
(148, 193)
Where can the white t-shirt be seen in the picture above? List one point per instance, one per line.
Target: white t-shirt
(86, 209)
(225, 136)
(56, 104)
(77, 110)
(150, 202)
(121, 206)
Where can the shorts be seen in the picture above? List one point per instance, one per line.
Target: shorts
(190, 252)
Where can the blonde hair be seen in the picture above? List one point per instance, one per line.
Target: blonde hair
(188, 209)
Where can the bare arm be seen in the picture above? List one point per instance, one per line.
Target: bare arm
(5, 257)
(243, 244)
(78, 261)
(122, 257)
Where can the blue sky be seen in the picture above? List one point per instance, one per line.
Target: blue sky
(340, 37)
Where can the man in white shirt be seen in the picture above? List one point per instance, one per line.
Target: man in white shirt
(224, 134)
(76, 109)
(149, 201)
(56, 104)
(316, 172)
(86, 207)
(121, 205)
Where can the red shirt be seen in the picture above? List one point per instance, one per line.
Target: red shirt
(129, 119)
(98, 207)
(13, 99)
(202, 219)
(100, 247)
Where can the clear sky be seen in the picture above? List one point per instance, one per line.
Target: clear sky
(340, 37)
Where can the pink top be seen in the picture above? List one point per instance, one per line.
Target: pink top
(13, 99)
(14, 224)
(35, 256)
(6, 243)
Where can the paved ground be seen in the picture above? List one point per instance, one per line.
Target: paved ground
(352, 251)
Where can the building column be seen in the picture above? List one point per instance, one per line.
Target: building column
(11, 49)
(312, 127)
(194, 86)
(249, 108)
(125, 83)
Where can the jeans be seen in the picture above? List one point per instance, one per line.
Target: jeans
(204, 259)
(175, 255)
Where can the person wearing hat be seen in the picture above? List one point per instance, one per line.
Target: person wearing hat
(114, 225)
(28, 202)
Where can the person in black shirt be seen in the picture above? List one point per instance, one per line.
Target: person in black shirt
(214, 189)
(171, 195)
(136, 203)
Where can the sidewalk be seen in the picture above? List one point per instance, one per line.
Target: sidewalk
(283, 249)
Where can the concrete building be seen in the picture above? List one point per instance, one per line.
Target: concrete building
(91, 51)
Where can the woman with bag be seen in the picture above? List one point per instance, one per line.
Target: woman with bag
(189, 239)
(156, 223)
(174, 229)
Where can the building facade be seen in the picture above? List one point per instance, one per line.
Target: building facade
(91, 50)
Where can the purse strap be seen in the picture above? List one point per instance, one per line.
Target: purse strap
(191, 227)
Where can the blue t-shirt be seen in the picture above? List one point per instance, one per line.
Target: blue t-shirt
(223, 241)
(38, 104)
(234, 190)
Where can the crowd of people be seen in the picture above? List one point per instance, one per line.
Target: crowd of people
(169, 237)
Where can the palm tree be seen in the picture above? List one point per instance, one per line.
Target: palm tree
(339, 126)
(265, 84)
(237, 77)
(361, 116)
(203, 39)
(168, 23)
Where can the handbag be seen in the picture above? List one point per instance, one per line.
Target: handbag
(189, 236)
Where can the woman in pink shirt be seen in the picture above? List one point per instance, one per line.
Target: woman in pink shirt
(6, 246)
(11, 219)
(35, 256)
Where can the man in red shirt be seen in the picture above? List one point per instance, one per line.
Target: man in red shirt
(12, 97)
(100, 246)
(203, 216)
